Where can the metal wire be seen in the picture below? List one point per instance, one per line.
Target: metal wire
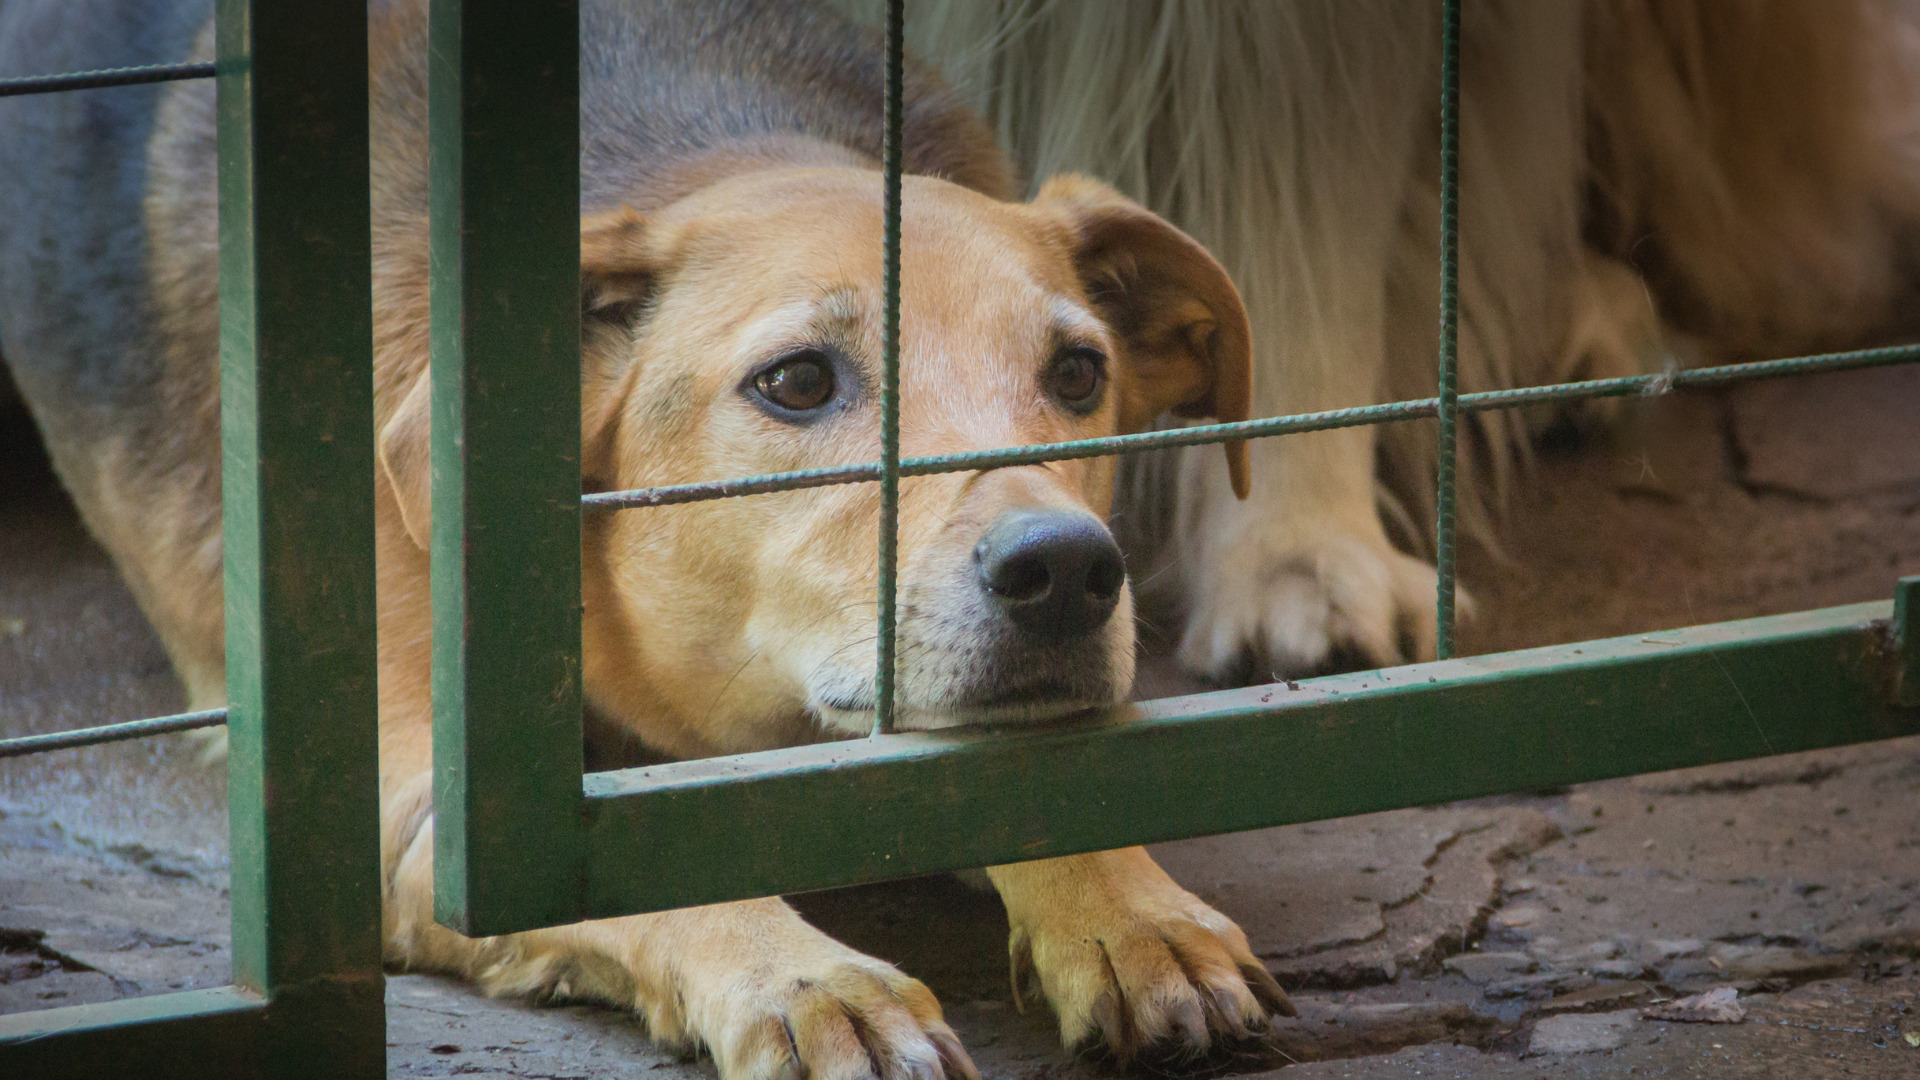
(1418, 408)
(1449, 399)
(106, 733)
(88, 80)
(890, 378)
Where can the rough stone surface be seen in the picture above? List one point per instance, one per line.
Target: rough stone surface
(441, 1028)
(80, 923)
(1490, 967)
(1582, 1033)
(1357, 901)
(1822, 1031)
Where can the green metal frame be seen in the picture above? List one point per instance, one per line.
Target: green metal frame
(922, 802)
(524, 841)
(297, 416)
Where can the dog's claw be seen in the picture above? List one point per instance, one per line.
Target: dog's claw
(1268, 990)
(1112, 1025)
(1190, 1024)
(953, 1057)
(1131, 960)
(1223, 1014)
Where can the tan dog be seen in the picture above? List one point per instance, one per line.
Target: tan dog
(731, 289)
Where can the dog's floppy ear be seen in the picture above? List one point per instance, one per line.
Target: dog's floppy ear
(617, 267)
(622, 255)
(1179, 319)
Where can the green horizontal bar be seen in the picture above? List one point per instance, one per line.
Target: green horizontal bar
(106, 733)
(192, 1034)
(893, 806)
(1419, 408)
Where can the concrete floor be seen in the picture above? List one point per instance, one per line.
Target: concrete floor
(1512, 937)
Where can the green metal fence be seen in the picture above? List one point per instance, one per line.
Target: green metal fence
(522, 839)
(523, 842)
(296, 390)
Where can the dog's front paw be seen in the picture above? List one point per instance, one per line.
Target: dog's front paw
(1130, 959)
(1269, 607)
(838, 1015)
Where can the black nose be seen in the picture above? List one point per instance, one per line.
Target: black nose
(1056, 573)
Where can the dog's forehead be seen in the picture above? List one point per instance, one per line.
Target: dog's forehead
(960, 250)
(988, 288)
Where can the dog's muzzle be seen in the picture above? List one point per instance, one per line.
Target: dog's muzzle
(1054, 574)
(1024, 630)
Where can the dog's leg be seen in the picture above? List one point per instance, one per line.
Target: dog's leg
(768, 995)
(1342, 287)
(1127, 956)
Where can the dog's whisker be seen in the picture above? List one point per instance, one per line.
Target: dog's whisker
(1153, 577)
(715, 703)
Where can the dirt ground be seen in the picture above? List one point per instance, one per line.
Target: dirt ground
(1515, 937)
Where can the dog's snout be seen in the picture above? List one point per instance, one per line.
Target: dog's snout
(1055, 573)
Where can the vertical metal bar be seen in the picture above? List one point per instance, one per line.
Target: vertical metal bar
(296, 397)
(1906, 642)
(890, 384)
(1449, 316)
(504, 89)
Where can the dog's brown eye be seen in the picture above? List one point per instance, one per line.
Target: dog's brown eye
(1076, 376)
(800, 382)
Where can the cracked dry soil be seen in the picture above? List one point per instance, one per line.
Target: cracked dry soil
(1511, 937)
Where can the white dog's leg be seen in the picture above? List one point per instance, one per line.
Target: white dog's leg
(1341, 279)
(1303, 154)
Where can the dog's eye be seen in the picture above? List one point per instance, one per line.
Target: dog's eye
(1076, 376)
(799, 382)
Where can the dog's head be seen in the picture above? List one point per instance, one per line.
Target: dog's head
(737, 331)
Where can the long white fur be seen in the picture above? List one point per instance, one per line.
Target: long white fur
(1298, 140)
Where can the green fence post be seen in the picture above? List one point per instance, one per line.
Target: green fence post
(296, 385)
(504, 113)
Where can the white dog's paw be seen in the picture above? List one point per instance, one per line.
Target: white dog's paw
(1271, 608)
(845, 1017)
(1134, 961)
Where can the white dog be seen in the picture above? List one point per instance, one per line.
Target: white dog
(1724, 178)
